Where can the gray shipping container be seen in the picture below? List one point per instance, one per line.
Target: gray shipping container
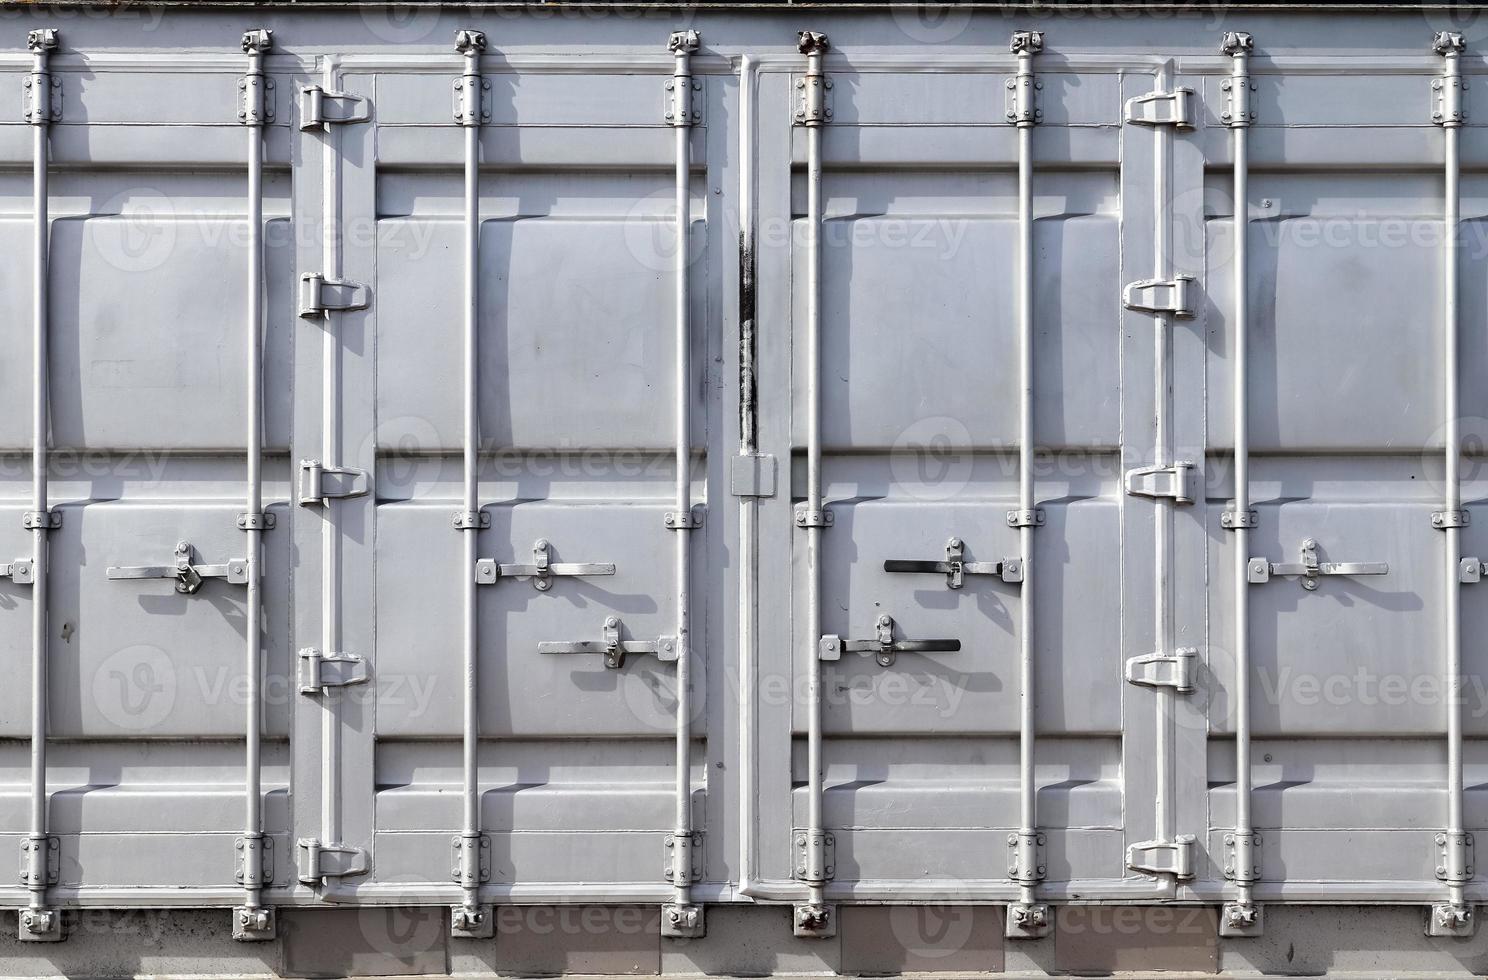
(742, 489)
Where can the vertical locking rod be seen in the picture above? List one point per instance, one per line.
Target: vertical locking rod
(1027, 918)
(38, 921)
(682, 917)
(470, 44)
(252, 918)
(1241, 914)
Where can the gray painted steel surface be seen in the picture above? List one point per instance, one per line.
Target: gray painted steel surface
(1021, 532)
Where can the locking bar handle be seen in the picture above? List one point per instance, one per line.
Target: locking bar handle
(614, 649)
(955, 567)
(1309, 569)
(542, 570)
(883, 645)
(189, 575)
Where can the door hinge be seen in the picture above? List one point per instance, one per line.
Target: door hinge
(324, 109)
(319, 483)
(1026, 863)
(1242, 857)
(319, 861)
(815, 855)
(683, 858)
(320, 671)
(1174, 481)
(41, 861)
(1172, 296)
(319, 294)
(752, 475)
(255, 868)
(1161, 670)
(1162, 109)
(1454, 857)
(472, 859)
(1163, 857)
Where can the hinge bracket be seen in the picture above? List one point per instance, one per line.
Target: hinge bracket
(1026, 518)
(1026, 857)
(815, 856)
(319, 295)
(1174, 481)
(1447, 100)
(325, 109)
(1454, 857)
(44, 110)
(472, 859)
(319, 483)
(1443, 519)
(255, 867)
(1174, 296)
(680, 106)
(684, 858)
(255, 99)
(41, 520)
(1242, 857)
(41, 860)
(1162, 109)
(752, 475)
(685, 520)
(1159, 857)
(320, 671)
(318, 860)
(805, 517)
(1161, 670)
(472, 105)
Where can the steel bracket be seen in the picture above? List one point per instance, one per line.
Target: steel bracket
(1259, 571)
(1162, 109)
(1233, 519)
(319, 108)
(1163, 857)
(686, 521)
(614, 649)
(189, 575)
(1454, 857)
(1242, 863)
(1443, 519)
(956, 568)
(254, 924)
(1446, 919)
(683, 921)
(814, 920)
(40, 925)
(256, 98)
(319, 860)
(1024, 98)
(684, 858)
(814, 89)
(22, 571)
(319, 295)
(1028, 921)
(1174, 296)
(470, 520)
(1026, 518)
(752, 475)
(472, 922)
(319, 483)
(543, 569)
(321, 671)
(41, 520)
(41, 860)
(1470, 571)
(1026, 864)
(805, 517)
(262, 521)
(883, 646)
(1447, 99)
(472, 100)
(472, 859)
(1174, 482)
(255, 861)
(1161, 670)
(1241, 920)
(815, 856)
(41, 111)
(680, 105)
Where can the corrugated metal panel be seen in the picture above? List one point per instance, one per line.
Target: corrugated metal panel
(836, 557)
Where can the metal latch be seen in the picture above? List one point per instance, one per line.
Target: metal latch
(816, 855)
(1160, 296)
(883, 646)
(255, 860)
(614, 648)
(319, 294)
(1259, 570)
(955, 568)
(321, 671)
(188, 574)
(1158, 857)
(1026, 857)
(1162, 109)
(1162, 670)
(318, 860)
(752, 475)
(1242, 857)
(319, 483)
(41, 91)
(684, 858)
(542, 571)
(1454, 856)
(321, 108)
(1174, 481)
(1447, 107)
(21, 571)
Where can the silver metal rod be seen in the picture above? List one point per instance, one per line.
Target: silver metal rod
(814, 817)
(1239, 129)
(255, 43)
(1162, 368)
(471, 44)
(41, 43)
